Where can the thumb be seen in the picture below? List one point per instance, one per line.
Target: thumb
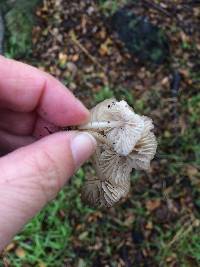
(31, 176)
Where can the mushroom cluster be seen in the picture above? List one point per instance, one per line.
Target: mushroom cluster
(125, 142)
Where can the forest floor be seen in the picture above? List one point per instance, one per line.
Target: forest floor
(159, 224)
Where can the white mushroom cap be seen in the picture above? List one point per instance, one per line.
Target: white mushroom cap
(113, 194)
(103, 194)
(143, 152)
(91, 192)
(125, 141)
(113, 181)
(122, 126)
(111, 166)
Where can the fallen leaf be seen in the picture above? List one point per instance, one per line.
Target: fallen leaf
(149, 225)
(129, 221)
(191, 171)
(10, 247)
(83, 236)
(75, 58)
(62, 58)
(20, 252)
(171, 258)
(104, 50)
(42, 264)
(165, 81)
(102, 33)
(105, 47)
(185, 38)
(152, 205)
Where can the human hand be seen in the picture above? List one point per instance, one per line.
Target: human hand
(31, 102)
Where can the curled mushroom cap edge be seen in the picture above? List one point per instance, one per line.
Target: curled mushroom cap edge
(125, 142)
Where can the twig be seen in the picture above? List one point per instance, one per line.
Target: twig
(157, 7)
(171, 14)
(186, 229)
(93, 59)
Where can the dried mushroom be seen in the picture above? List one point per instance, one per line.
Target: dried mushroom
(125, 142)
(123, 128)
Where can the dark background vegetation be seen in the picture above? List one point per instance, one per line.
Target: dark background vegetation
(148, 53)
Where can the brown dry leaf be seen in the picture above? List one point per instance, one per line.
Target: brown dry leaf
(185, 38)
(171, 258)
(103, 33)
(129, 221)
(191, 171)
(10, 247)
(198, 46)
(165, 82)
(42, 264)
(182, 124)
(149, 225)
(98, 244)
(152, 205)
(95, 216)
(75, 58)
(83, 236)
(79, 227)
(62, 58)
(104, 48)
(185, 73)
(196, 11)
(20, 252)
(84, 23)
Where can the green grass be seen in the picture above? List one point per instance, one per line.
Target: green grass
(181, 243)
(19, 21)
(105, 93)
(46, 239)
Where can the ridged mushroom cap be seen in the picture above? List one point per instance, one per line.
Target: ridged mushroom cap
(125, 142)
(121, 125)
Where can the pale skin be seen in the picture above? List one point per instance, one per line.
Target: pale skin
(35, 165)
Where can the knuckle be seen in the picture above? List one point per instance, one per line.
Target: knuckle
(48, 173)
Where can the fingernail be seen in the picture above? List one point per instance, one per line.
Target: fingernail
(82, 146)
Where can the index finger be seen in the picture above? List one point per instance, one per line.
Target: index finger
(24, 88)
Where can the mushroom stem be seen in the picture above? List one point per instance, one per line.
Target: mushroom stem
(101, 125)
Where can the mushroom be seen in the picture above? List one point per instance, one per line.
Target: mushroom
(122, 126)
(125, 142)
(113, 182)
